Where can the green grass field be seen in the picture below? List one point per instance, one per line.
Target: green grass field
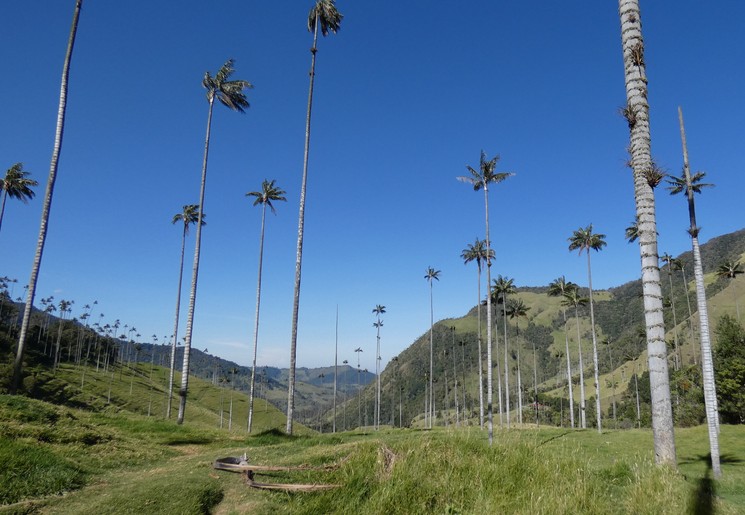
(110, 457)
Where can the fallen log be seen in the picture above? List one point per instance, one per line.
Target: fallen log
(241, 465)
(287, 487)
(232, 465)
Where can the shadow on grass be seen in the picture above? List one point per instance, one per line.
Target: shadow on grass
(703, 497)
(544, 442)
(186, 440)
(702, 501)
(723, 459)
(273, 436)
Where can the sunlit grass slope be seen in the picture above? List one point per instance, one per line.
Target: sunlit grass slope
(120, 462)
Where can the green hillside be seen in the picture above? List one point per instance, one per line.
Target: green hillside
(621, 352)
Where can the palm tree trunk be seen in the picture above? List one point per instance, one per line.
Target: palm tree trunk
(519, 378)
(500, 407)
(2, 207)
(336, 362)
(535, 383)
(582, 402)
(505, 364)
(18, 363)
(707, 364)
(569, 368)
(641, 159)
(690, 316)
(481, 360)
(377, 378)
(300, 231)
(174, 344)
(455, 383)
(638, 407)
(256, 321)
(676, 360)
(489, 387)
(598, 413)
(194, 274)
(431, 356)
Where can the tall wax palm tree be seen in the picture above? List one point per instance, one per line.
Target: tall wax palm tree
(378, 310)
(690, 185)
(269, 193)
(637, 116)
(668, 260)
(573, 298)
(477, 252)
(504, 286)
(431, 275)
(230, 94)
(585, 239)
(324, 17)
(188, 216)
(47, 204)
(16, 184)
(558, 288)
(730, 270)
(516, 308)
(480, 179)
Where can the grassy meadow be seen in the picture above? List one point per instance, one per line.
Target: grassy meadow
(111, 457)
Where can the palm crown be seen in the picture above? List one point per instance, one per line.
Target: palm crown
(228, 92)
(517, 308)
(560, 286)
(680, 184)
(730, 269)
(269, 192)
(476, 251)
(432, 274)
(16, 183)
(486, 174)
(585, 239)
(189, 216)
(573, 298)
(502, 286)
(329, 19)
(667, 259)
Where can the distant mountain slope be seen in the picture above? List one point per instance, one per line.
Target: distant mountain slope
(620, 332)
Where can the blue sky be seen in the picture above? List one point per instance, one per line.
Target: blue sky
(407, 94)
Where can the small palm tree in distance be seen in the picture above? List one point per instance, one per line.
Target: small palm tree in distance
(584, 239)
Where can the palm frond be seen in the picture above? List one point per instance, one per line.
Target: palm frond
(431, 274)
(269, 193)
(632, 232)
(584, 239)
(680, 184)
(730, 269)
(17, 185)
(328, 17)
(229, 93)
